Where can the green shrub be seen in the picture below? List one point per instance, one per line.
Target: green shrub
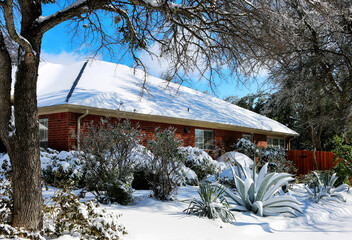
(212, 203)
(343, 160)
(6, 201)
(84, 219)
(200, 162)
(108, 154)
(164, 168)
(261, 193)
(62, 214)
(322, 187)
(246, 147)
(55, 175)
(276, 157)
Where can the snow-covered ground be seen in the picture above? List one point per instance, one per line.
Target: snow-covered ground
(150, 219)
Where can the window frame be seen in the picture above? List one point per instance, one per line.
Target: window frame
(43, 141)
(201, 141)
(271, 139)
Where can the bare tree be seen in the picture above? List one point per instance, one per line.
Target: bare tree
(307, 45)
(194, 34)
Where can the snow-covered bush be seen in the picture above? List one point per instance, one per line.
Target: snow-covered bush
(6, 203)
(65, 213)
(276, 157)
(164, 168)
(246, 147)
(261, 193)
(108, 160)
(189, 177)
(60, 167)
(200, 162)
(322, 188)
(212, 203)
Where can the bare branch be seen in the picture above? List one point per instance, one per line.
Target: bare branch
(10, 25)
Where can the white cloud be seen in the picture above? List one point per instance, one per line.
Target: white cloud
(64, 57)
(154, 63)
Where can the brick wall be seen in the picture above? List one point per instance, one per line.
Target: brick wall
(63, 125)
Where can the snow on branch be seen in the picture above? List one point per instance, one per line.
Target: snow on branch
(10, 25)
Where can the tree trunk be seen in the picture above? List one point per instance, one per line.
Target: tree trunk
(24, 152)
(24, 149)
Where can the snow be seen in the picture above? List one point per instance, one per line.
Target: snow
(106, 85)
(150, 219)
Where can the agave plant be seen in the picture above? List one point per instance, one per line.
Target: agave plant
(212, 204)
(261, 193)
(323, 188)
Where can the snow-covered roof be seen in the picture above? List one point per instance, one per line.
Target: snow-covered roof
(113, 86)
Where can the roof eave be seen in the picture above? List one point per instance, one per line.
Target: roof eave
(155, 118)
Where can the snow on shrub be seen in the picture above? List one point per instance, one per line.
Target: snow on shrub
(60, 167)
(65, 213)
(322, 188)
(189, 177)
(164, 169)
(200, 162)
(246, 147)
(212, 203)
(276, 157)
(108, 155)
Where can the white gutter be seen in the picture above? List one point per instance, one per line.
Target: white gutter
(79, 128)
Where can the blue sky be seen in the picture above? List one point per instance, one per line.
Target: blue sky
(58, 46)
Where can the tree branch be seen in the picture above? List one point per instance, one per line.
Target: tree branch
(10, 25)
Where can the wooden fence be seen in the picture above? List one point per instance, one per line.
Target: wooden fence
(304, 160)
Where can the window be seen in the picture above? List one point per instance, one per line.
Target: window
(43, 132)
(276, 142)
(248, 137)
(204, 139)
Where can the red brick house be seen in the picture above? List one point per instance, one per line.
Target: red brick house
(71, 95)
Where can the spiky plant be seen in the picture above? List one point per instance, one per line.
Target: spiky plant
(323, 188)
(212, 204)
(261, 193)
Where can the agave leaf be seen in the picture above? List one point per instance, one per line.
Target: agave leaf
(240, 186)
(239, 208)
(338, 196)
(258, 208)
(283, 204)
(263, 187)
(339, 188)
(239, 169)
(278, 181)
(308, 190)
(280, 199)
(251, 192)
(281, 210)
(261, 176)
(318, 177)
(269, 213)
(332, 180)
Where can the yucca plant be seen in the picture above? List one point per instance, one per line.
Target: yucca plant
(212, 204)
(323, 188)
(261, 193)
